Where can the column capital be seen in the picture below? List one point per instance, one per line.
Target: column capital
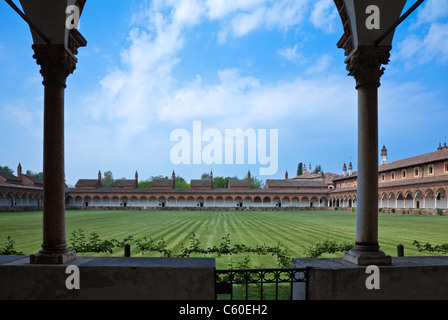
(56, 62)
(364, 64)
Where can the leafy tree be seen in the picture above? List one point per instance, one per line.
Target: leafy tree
(317, 169)
(300, 169)
(38, 175)
(7, 169)
(145, 184)
(205, 176)
(255, 183)
(181, 183)
(108, 180)
(221, 182)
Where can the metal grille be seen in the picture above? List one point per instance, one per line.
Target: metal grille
(228, 280)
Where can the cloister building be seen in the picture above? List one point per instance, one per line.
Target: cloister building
(418, 182)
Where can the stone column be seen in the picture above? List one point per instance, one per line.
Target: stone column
(364, 64)
(57, 63)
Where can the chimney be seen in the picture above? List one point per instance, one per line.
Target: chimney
(136, 180)
(248, 175)
(310, 169)
(99, 183)
(286, 175)
(444, 146)
(350, 169)
(174, 180)
(211, 177)
(344, 170)
(440, 147)
(19, 171)
(384, 155)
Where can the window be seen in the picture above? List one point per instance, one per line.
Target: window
(403, 173)
(392, 175)
(383, 177)
(446, 166)
(416, 172)
(431, 169)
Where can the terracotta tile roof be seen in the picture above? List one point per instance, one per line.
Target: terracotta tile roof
(439, 155)
(328, 176)
(236, 183)
(162, 183)
(296, 183)
(120, 183)
(87, 183)
(33, 179)
(201, 183)
(9, 176)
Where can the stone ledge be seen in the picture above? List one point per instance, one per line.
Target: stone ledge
(110, 278)
(408, 278)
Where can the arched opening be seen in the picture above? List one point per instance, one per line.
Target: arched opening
(418, 199)
(441, 199)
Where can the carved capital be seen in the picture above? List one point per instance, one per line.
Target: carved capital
(56, 62)
(364, 64)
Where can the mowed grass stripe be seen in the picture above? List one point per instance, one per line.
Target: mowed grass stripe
(295, 230)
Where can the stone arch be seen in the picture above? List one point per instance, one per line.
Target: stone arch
(314, 202)
(115, 201)
(133, 201)
(286, 202)
(78, 201)
(68, 201)
(408, 200)
(383, 201)
(181, 202)
(305, 202)
(124, 201)
(247, 202)
(143, 201)
(400, 200)
(257, 202)
(267, 202)
(419, 199)
(228, 202)
(429, 199)
(153, 202)
(239, 202)
(87, 201)
(219, 201)
(106, 202)
(323, 202)
(441, 199)
(161, 202)
(96, 201)
(295, 202)
(24, 200)
(209, 201)
(191, 202)
(277, 202)
(171, 202)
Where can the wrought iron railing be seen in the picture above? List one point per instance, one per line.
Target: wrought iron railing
(229, 281)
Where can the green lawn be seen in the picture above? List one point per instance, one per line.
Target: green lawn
(294, 230)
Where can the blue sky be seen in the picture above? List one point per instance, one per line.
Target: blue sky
(151, 67)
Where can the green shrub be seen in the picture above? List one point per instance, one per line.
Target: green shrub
(8, 248)
(328, 246)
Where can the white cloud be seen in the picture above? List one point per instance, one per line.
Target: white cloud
(291, 54)
(432, 11)
(421, 49)
(324, 15)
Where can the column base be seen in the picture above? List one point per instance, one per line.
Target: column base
(367, 258)
(53, 258)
